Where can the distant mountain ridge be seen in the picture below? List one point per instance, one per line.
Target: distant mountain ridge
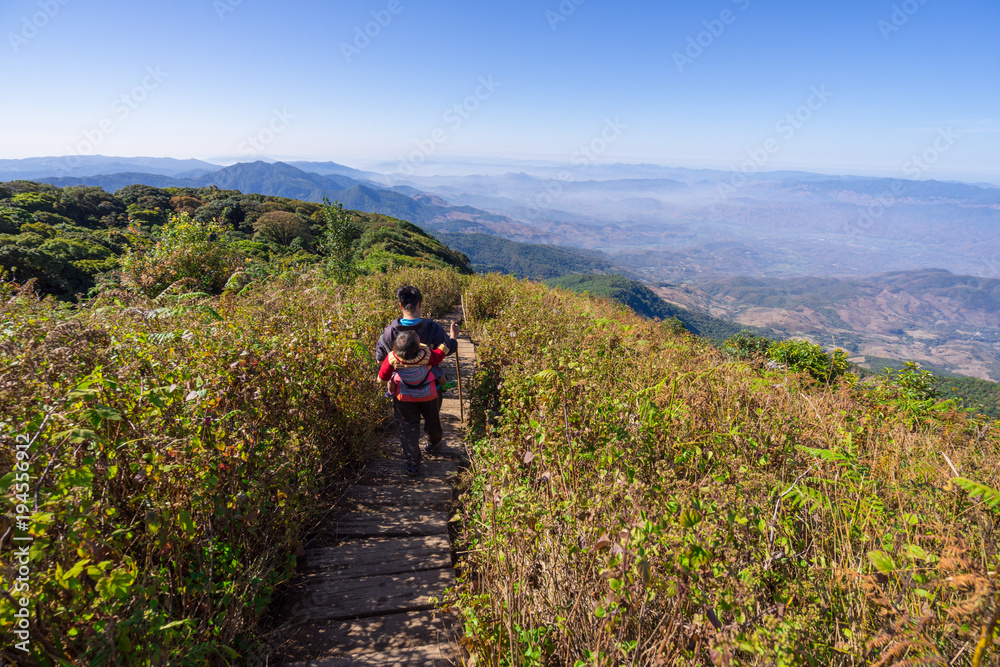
(283, 180)
(34, 169)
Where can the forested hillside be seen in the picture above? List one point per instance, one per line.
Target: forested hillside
(644, 302)
(69, 240)
(494, 254)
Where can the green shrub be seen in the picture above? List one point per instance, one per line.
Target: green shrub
(802, 356)
(190, 251)
(180, 449)
(747, 345)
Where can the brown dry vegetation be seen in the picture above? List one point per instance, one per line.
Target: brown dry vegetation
(637, 498)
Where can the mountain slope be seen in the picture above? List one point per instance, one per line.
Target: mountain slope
(931, 315)
(645, 302)
(493, 254)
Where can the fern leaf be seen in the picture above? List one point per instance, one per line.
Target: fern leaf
(976, 490)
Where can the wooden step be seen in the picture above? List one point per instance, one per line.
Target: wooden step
(425, 494)
(424, 656)
(377, 634)
(333, 598)
(409, 522)
(363, 558)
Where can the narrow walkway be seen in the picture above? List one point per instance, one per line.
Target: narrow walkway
(363, 595)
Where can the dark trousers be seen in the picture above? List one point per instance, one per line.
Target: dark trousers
(408, 417)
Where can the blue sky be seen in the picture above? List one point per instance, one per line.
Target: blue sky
(248, 78)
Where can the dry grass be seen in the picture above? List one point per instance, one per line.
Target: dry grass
(639, 499)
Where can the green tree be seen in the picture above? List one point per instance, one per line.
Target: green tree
(11, 219)
(337, 239)
(281, 227)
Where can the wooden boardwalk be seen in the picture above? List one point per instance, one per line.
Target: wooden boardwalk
(365, 589)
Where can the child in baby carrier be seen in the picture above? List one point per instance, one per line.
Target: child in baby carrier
(414, 387)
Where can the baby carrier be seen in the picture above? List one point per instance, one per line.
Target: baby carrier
(415, 384)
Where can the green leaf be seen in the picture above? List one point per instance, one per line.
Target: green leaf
(187, 524)
(916, 552)
(76, 435)
(976, 490)
(6, 481)
(690, 518)
(882, 561)
(176, 624)
(100, 413)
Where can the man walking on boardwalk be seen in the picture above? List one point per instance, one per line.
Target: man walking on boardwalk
(408, 415)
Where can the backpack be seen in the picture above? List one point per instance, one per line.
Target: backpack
(415, 384)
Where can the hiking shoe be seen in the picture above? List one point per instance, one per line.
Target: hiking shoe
(412, 469)
(430, 449)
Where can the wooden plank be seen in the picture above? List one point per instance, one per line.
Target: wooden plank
(376, 634)
(391, 523)
(423, 656)
(420, 494)
(430, 469)
(339, 599)
(380, 556)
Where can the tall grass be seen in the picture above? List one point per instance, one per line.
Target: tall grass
(179, 447)
(638, 498)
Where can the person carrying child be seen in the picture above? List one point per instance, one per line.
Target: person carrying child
(413, 400)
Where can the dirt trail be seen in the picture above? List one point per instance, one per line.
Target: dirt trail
(363, 594)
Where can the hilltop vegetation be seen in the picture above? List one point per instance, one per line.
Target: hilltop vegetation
(637, 495)
(68, 240)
